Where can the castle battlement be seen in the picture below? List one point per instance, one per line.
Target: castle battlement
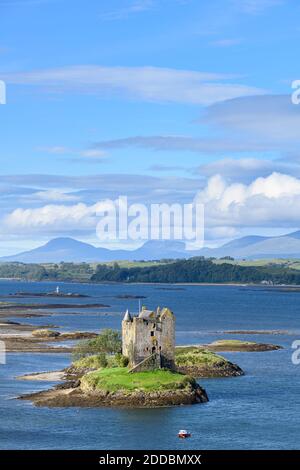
(150, 333)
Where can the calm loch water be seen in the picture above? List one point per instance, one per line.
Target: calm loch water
(258, 411)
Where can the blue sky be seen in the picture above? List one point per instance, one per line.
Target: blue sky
(160, 100)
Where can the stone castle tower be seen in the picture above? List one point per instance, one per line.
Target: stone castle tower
(148, 340)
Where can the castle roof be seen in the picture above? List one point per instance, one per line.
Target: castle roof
(147, 314)
(127, 316)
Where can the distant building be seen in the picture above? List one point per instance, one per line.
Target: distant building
(148, 340)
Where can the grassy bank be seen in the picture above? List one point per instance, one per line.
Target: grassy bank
(200, 362)
(192, 355)
(116, 379)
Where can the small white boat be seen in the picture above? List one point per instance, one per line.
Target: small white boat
(183, 434)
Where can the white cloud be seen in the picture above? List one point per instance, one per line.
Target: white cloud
(142, 83)
(273, 201)
(53, 218)
(266, 202)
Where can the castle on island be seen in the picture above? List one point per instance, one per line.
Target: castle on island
(148, 339)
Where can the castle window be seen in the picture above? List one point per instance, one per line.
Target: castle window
(153, 349)
(152, 333)
(160, 348)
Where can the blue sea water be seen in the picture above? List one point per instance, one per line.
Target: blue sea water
(260, 410)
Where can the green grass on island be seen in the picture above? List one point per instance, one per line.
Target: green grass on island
(195, 356)
(184, 356)
(232, 342)
(236, 345)
(116, 379)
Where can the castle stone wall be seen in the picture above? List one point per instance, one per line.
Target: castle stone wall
(143, 337)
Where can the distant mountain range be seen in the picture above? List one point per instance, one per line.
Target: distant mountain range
(70, 250)
(257, 247)
(250, 247)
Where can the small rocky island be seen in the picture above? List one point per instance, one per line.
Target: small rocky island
(235, 345)
(141, 368)
(116, 387)
(202, 363)
(143, 375)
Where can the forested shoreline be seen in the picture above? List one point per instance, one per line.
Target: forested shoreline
(193, 270)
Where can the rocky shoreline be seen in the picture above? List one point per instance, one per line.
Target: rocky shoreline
(40, 344)
(71, 394)
(39, 306)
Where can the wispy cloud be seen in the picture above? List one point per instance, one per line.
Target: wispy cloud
(267, 123)
(166, 168)
(53, 196)
(247, 168)
(55, 150)
(140, 83)
(226, 42)
(181, 143)
(255, 7)
(132, 8)
(62, 150)
(271, 119)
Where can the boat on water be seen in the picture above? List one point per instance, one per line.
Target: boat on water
(183, 434)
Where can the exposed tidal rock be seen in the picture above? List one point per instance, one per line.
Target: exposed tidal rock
(53, 376)
(129, 296)
(45, 333)
(47, 294)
